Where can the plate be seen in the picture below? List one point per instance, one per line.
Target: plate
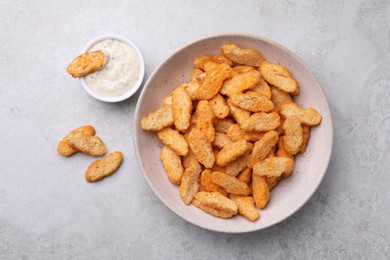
(291, 193)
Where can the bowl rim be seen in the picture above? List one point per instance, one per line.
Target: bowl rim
(137, 84)
(182, 48)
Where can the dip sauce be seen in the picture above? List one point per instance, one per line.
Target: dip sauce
(121, 70)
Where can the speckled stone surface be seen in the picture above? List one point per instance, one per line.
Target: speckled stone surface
(48, 210)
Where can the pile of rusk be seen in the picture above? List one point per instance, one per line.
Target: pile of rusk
(83, 139)
(230, 134)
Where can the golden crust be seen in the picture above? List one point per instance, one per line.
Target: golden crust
(158, 119)
(195, 73)
(280, 77)
(206, 181)
(241, 82)
(172, 164)
(103, 168)
(238, 165)
(246, 206)
(239, 114)
(306, 137)
(204, 119)
(220, 140)
(213, 81)
(200, 61)
(261, 122)
(307, 116)
(65, 149)
(230, 183)
(273, 167)
(252, 101)
(217, 201)
(88, 144)
(263, 88)
(236, 133)
(182, 109)
(279, 97)
(250, 57)
(86, 63)
(190, 183)
(245, 175)
(231, 152)
(293, 135)
(219, 106)
(260, 191)
(263, 147)
(174, 140)
(201, 147)
(222, 125)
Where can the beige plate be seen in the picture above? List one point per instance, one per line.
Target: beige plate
(292, 193)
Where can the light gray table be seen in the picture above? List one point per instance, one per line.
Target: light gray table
(48, 211)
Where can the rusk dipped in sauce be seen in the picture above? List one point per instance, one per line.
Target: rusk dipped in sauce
(121, 71)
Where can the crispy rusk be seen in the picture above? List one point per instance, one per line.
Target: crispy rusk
(241, 82)
(217, 168)
(293, 135)
(172, 164)
(281, 152)
(236, 133)
(280, 77)
(103, 168)
(250, 57)
(231, 152)
(260, 191)
(272, 181)
(204, 119)
(174, 140)
(86, 63)
(219, 106)
(212, 211)
(65, 149)
(195, 73)
(213, 81)
(222, 125)
(216, 201)
(88, 144)
(189, 159)
(190, 183)
(273, 167)
(200, 61)
(230, 183)
(261, 122)
(239, 114)
(245, 175)
(262, 148)
(307, 116)
(220, 140)
(263, 88)
(241, 69)
(306, 137)
(182, 108)
(246, 206)
(201, 147)
(279, 97)
(192, 89)
(238, 165)
(158, 119)
(208, 185)
(252, 101)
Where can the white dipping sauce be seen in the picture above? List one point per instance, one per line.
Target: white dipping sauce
(121, 70)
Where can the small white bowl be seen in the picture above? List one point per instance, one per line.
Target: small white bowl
(136, 85)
